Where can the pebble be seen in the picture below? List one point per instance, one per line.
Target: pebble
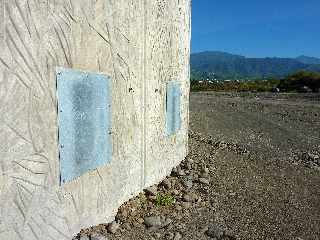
(205, 170)
(170, 236)
(186, 205)
(178, 171)
(136, 224)
(205, 229)
(189, 166)
(151, 191)
(178, 208)
(232, 194)
(181, 172)
(187, 198)
(128, 226)
(190, 161)
(313, 157)
(166, 183)
(175, 192)
(187, 182)
(177, 236)
(204, 181)
(195, 196)
(153, 221)
(84, 237)
(204, 175)
(215, 231)
(182, 226)
(97, 236)
(157, 235)
(123, 213)
(152, 197)
(174, 171)
(140, 220)
(113, 227)
(166, 222)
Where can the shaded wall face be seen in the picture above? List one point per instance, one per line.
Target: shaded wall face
(142, 46)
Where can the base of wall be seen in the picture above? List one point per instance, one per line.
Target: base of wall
(108, 217)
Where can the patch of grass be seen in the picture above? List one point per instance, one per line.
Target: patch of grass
(164, 200)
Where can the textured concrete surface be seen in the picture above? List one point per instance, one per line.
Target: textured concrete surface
(142, 45)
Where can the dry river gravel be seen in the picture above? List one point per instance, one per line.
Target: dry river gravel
(253, 172)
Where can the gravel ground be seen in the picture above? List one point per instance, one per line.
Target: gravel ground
(252, 173)
(273, 126)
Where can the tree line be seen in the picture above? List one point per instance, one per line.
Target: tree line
(301, 81)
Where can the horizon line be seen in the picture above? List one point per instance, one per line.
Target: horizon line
(242, 55)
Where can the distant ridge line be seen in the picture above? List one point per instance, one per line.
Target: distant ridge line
(223, 65)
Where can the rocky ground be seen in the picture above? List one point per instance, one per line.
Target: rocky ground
(253, 172)
(273, 126)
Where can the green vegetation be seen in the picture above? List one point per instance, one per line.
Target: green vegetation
(302, 81)
(236, 86)
(164, 200)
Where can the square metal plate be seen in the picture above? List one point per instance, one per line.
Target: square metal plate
(84, 118)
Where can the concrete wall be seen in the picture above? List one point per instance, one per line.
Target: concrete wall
(141, 45)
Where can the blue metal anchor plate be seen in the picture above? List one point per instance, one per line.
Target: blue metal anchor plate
(84, 118)
(173, 102)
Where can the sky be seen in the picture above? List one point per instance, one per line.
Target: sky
(257, 28)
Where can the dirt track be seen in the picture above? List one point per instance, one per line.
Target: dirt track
(256, 177)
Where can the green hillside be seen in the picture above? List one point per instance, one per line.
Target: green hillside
(222, 66)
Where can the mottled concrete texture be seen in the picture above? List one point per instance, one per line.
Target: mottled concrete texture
(141, 45)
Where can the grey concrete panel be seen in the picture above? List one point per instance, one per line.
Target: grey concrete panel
(167, 59)
(141, 45)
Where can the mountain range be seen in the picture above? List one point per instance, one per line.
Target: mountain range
(223, 65)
